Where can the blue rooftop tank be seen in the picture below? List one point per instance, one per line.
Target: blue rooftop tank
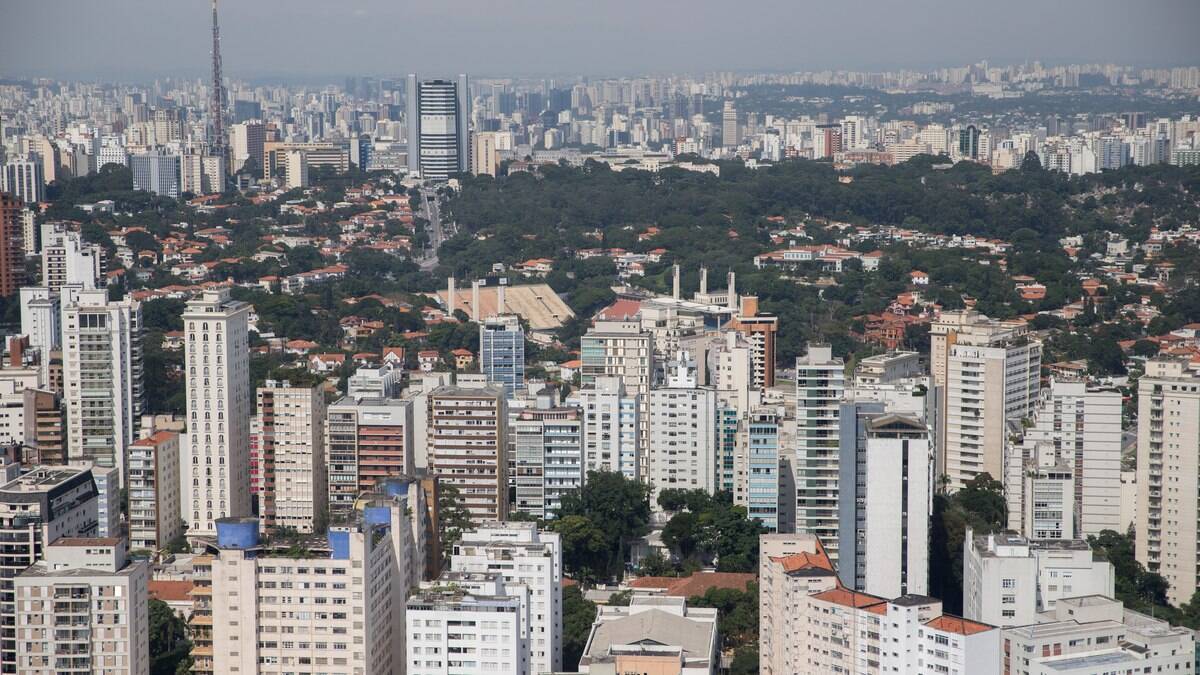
(395, 488)
(237, 532)
(377, 515)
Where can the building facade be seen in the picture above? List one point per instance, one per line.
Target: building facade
(293, 491)
(1167, 528)
(102, 375)
(468, 447)
(216, 458)
(368, 440)
(439, 113)
(502, 351)
(83, 609)
(154, 513)
(820, 383)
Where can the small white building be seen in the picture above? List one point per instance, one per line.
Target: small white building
(1096, 634)
(468, 624)
(1008, 580)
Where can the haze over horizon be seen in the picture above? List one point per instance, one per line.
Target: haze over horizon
(308, 40)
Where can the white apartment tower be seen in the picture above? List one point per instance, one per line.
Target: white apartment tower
(681, 447)
(521, 554)
(1082, 427)
(463, 615)
(1009, 580)
(1168, 475)
(611, 424)
(102, 375)
(67, 260)
(820, 383)
(215, 471)
(293, 492)
(899, 489)
(621, 349)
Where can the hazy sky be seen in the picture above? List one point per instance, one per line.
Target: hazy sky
(329, 39)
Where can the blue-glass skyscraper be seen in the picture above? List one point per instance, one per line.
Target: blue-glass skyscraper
(502, 351)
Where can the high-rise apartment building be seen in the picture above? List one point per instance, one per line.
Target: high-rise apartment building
(899, 490)
(12, 246)
(522, 555)
(547, 457)
(991, 372)
(439, 113)
(681, 446)
(468, 447)
(69, 261)
(24, 178)
(621, 349)
(1081, 427)
(756, 466)
(811, 623)
(332, 606)
(102, 375)
(83, 608)
(154, 515)
(36, 510)
(216, 456)
(1168, 475)
(820, 382)
(295, 169)
(245, 142)
(485, 156)
(368, 440)
(759, 331)
(611, 428)
(729, 125)
(290, 424)
(791, 567)
(45, 429)
(502, 351)
(158, 172)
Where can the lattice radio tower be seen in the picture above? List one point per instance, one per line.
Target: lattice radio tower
(216, 105)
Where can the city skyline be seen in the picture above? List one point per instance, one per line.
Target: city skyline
(390, 38)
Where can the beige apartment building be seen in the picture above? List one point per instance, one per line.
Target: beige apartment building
(468, 447)
(991, 372)
(154, 491)
(332, 604)
(290, 435)
(1168, 475)
(83, 608)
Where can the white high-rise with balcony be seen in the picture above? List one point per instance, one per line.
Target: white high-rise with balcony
(102, 375)
(820, 382)
(522, 555)
(991, 371)
(1168, 475)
